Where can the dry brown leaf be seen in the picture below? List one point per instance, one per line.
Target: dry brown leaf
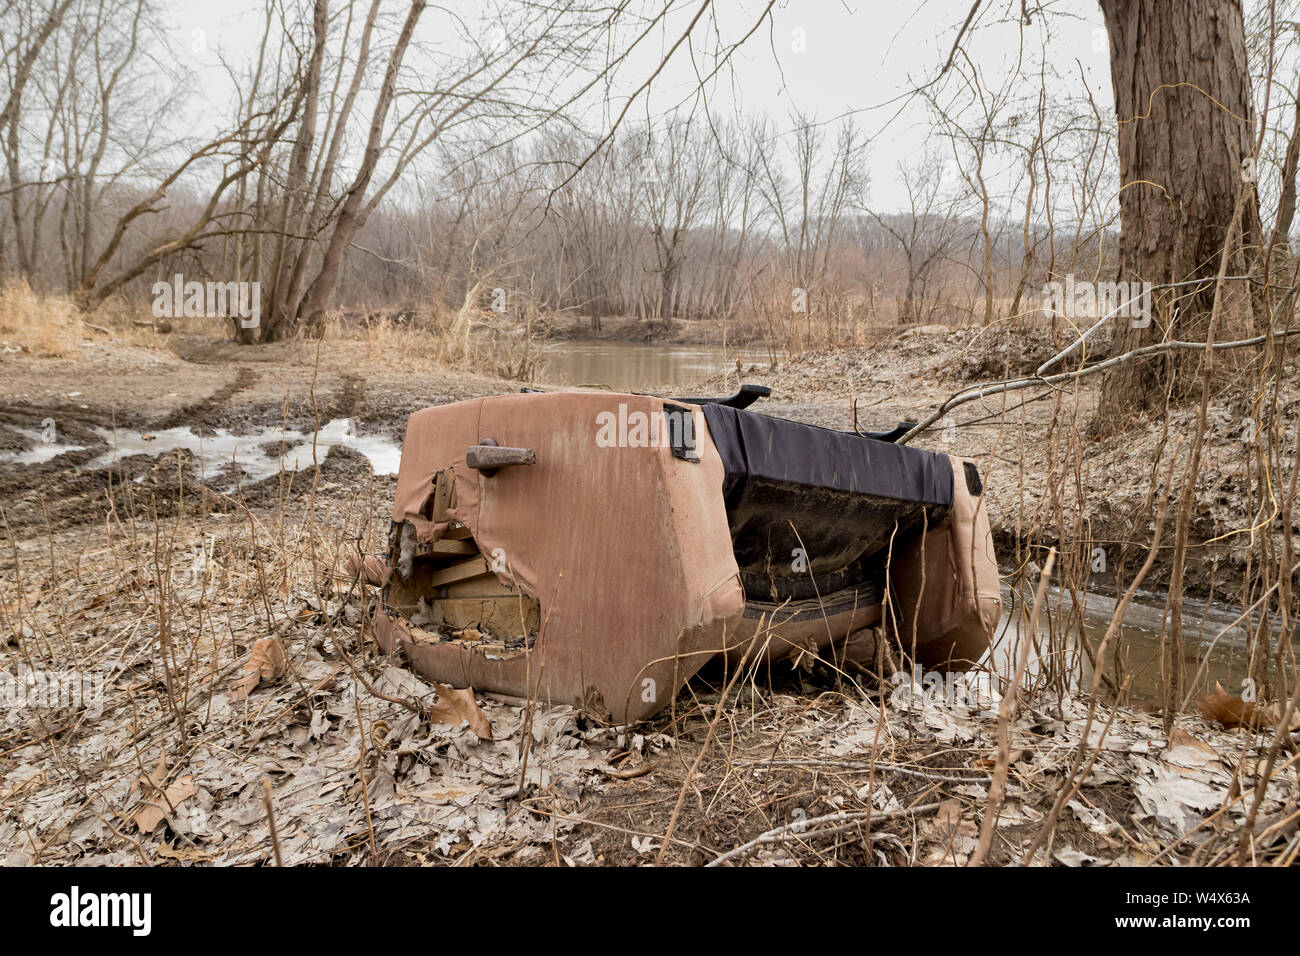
(803, 654)
(183, 854)
(149, 814)
(149, 783)
(1186, 751)
(241, 687)
(265, 662)
(1232, 711)
(446, 796)
(98, 601)
(948, 816)
(954, 836)
(990, 761)
(1228, 709)
(457, 706)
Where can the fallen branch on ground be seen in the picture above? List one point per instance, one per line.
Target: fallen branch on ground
(1048, 381)
(801, 829)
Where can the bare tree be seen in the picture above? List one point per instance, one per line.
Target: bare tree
(926, 235)
(809, 203)
(673, 170)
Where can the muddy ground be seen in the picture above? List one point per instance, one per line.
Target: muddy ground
(204, 383)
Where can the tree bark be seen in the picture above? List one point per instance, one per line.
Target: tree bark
(282, 317)
(351, 216)
(1180, 164)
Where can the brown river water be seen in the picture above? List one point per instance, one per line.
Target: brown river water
(637, 366)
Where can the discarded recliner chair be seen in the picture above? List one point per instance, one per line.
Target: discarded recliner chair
(598, 549)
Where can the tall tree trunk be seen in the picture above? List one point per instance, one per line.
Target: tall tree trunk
(9, 119)
(351, 215)
(282, 320)
(1180, 164)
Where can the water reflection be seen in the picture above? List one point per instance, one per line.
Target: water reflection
(1215, 642)
(635, 366)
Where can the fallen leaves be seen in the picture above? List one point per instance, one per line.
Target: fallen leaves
(1231, 710)
(265, 662)
(955, 836)
(12, 612)
(456, 707)
(1069, 856)
(1171, 798)
(1186, 751)
(442, 787)
(442, 769)
(182, 854)
(159, 802)
(1093, 818)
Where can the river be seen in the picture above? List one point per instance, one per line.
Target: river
(640, 366)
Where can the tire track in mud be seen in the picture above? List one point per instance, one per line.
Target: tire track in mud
(292, 409)
(205, 414)
(71, 422)
(57, 486)
(349, 401)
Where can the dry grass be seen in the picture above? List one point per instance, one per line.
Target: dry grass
(50, 325)
(469, 338)
(38, 324)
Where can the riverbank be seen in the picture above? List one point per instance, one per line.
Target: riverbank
(737, 332)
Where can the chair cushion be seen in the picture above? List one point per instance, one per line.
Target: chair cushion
(835, 496)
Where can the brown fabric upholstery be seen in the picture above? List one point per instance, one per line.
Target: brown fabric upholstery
(629, 553)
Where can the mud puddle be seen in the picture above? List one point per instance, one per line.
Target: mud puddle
(42, 448)
(259, 455)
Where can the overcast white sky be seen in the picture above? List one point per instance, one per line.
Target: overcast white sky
(826, 57)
